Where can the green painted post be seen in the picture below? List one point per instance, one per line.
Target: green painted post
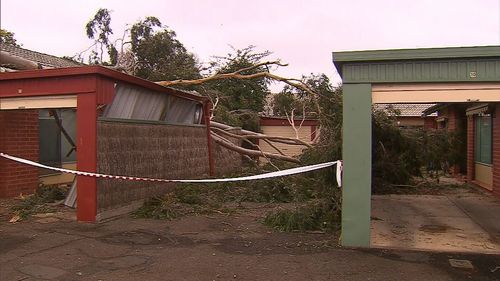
(357, 156)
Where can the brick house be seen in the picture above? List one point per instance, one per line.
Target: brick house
(281, 127)
(479, 125)
(54, 147)
(410, 115)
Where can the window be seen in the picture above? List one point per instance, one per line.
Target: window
(482, 143)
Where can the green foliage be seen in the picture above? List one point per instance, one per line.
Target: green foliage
(160, 56)
(395, 155)
(284, 103)
(99, 28)
(206, 198)
(154, 48)
(301, 102)
(318, 216)
(7, 37)
(237, 94)
(398, 155)
(157, 208)
(37, 203)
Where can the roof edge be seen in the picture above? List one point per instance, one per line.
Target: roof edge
(96, 70)
(417, 54)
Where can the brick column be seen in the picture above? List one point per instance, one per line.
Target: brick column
(470, 148)
(496, 150)
(18, 137)
(452, 118)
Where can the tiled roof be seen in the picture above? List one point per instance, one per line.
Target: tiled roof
(46, 61)
(405, 109)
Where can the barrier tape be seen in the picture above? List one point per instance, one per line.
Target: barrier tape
(286, 172)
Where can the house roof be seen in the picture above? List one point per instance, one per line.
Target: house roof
(44, 60)
(79, 73)
(407, 109)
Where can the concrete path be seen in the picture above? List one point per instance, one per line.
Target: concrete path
(456, 223)
(212, 247)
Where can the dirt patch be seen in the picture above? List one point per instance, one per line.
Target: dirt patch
(432, 228)
(9, 242)
(142, 237)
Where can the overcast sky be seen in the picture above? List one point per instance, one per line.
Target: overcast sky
(301, 33)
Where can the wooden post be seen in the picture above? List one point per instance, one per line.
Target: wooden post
(86, 134)
(207, 107)
(357, 156)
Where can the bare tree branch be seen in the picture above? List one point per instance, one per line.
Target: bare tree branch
(231, 146)
(296, 83)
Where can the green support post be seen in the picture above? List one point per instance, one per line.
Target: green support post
(357, 156)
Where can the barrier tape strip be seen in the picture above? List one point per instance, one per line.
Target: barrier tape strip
(281, 173)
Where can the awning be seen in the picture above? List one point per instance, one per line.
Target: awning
(478, 109)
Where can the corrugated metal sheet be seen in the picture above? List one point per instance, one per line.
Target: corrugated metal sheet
(422, 71)
(141, 104)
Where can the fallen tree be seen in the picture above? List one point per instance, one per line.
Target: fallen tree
(221, 133)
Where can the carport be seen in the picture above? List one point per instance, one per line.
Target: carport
(87, 89)
(438, 75)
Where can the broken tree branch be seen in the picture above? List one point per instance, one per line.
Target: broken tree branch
(253, 135)
(296, 83)
(223, 142)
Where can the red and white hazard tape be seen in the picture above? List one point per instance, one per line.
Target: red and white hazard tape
(286, 172)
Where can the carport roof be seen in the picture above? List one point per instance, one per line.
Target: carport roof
(416, 54)
(93, 70)
(452, 64)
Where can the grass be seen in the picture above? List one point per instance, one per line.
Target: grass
(39, 202)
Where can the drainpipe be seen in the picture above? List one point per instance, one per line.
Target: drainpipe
(207, 108)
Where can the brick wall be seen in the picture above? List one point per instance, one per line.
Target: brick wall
(18, 137)
(470, 148)
(454, 123)
(496, 150)
(451, 113)
(430, 122)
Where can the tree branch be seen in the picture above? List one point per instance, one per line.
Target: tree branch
(223, 142)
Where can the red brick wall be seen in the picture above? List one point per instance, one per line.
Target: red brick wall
(496, 150)
(18, 137)
(430, 122)
(453, 123)
(452, 118)
(470, 148)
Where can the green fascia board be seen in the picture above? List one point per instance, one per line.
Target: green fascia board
(416, 54)
(408, 56)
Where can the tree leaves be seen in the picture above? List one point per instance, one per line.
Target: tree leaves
(7, 37)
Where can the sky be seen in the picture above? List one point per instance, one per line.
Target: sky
(301, 33)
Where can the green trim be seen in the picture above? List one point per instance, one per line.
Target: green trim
(356, 150)
(151, 122)
(442, 71)
(417, 54)
(465, 64)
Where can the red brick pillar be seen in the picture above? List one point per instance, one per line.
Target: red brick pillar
(470, 148)
(18, 137)
(496, 150)
(453, 123)
(452, 119)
